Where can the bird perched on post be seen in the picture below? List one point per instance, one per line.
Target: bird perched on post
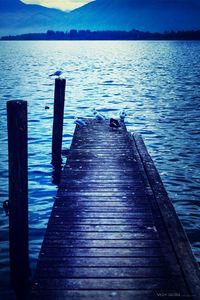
(122, 115)
(98, 115)
(114, 123)
(79, 122)
(57, 73)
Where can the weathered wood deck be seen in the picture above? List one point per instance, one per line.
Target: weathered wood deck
(113, 232)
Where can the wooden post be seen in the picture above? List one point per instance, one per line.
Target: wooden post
(59, 99)
(18, 196)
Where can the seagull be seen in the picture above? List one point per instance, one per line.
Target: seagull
(122, 115)
(98, 116)
(79, 122)
(114, 123)
(57, 73)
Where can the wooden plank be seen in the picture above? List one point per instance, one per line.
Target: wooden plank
(101, 193)
(104, 284)
(81, 203)
(102, 235)
(97, 295)
(96, 209)
(102, 221)
(103, 183)
(78, 219)
(101, 243)
(103, 215)
(124, 200)
(101, 261)
(101, 228)
(105, 272)
(99, 252)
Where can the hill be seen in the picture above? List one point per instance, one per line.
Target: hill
(152, 15)
(17, 17)
(147, 15)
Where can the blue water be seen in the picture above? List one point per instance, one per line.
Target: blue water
(158, 82)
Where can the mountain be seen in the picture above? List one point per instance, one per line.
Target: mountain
(17, 17)
(152, 15)
(145, 15)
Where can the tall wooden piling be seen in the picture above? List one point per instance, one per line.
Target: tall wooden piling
(59, 99)
(18, 196)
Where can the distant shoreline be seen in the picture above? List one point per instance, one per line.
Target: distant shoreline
(163, 40)
(87, 35)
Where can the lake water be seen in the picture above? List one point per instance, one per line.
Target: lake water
(158, 82)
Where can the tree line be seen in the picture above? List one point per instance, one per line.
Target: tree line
(107, 35)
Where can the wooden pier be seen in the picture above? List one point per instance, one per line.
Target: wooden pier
(113, 232)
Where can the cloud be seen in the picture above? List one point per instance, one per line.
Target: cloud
(65, 5)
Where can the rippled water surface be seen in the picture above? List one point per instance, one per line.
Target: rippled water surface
(158, 82)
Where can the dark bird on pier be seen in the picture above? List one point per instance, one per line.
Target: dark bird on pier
(114, 123)
(6, 207)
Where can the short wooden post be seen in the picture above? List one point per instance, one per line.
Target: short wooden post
(59, 99)
(18, 196)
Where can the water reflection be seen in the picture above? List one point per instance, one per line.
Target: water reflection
(56, 173)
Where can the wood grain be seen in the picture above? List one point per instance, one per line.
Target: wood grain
(106, 235)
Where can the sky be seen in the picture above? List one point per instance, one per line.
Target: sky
(68, 5)
(60, 4)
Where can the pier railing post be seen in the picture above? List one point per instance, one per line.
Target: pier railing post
(59, 99)
(18, 196)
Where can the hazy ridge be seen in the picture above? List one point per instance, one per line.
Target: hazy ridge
(148, 15)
